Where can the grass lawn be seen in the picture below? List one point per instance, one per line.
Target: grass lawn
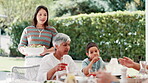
(6, 63)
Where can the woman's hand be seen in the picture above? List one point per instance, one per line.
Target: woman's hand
(22, 50)
(127, 62)
(60, 67)
(51, 50)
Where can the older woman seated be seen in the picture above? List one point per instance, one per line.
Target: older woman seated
(57, 61)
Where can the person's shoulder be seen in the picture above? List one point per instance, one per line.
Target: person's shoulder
(101, 59)
(67, 56)
(50, 27)
(85, 60)
(30, 27)
(47, 56)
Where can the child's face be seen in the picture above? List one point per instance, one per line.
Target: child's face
(93, 52)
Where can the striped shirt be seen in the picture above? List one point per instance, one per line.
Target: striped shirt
(32, 35)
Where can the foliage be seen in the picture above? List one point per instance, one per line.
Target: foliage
(117, 34)
(2, 25)
(18, 10)
(75, 7)
(16, 31)
(2, 52)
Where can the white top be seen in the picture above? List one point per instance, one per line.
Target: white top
(50, 61)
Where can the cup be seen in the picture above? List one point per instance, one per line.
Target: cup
(62, 72)
(92, 72)
(113, 61)
(114, 66)
(143, 69)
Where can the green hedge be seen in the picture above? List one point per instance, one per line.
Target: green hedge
(16, 32)
(117, 34)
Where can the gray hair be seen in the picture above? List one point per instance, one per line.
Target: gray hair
(60, 38)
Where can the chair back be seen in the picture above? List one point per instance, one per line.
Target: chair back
(25, 73)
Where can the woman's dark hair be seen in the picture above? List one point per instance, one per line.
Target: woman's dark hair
(89, 45)
(35, 14)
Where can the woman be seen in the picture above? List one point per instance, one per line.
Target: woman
(53, 64)
(38, 34)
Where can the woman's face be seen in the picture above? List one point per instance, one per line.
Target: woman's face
(64, 48)
(41, 17)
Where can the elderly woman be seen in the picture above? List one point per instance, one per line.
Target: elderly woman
(57, 61)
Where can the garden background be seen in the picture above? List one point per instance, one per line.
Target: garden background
(117, 26)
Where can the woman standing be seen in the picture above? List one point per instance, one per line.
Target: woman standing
(38, 34)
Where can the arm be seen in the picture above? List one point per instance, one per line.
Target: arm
(50, 50)
(136, 66)
(23, 42)
(50, 73)
(129, 63)
(59, 67)
(86, 69)
(21, 50)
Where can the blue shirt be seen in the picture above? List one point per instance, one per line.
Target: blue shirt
(96, 66)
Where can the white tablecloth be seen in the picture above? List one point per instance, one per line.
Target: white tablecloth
(18, 81)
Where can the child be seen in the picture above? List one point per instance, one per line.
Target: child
(94, 61)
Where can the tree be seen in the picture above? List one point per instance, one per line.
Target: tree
(18, 10)
(75, 7)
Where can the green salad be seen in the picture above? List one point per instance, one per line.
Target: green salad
(35, 46)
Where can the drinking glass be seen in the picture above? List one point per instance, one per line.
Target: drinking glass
(92, 72)
(113, 61)
(143, 69)
(63, 71)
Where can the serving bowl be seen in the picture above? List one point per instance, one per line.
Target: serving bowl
(34, 51)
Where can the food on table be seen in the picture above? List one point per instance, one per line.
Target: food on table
(35, 46)
(70, 79)
(131, 76)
